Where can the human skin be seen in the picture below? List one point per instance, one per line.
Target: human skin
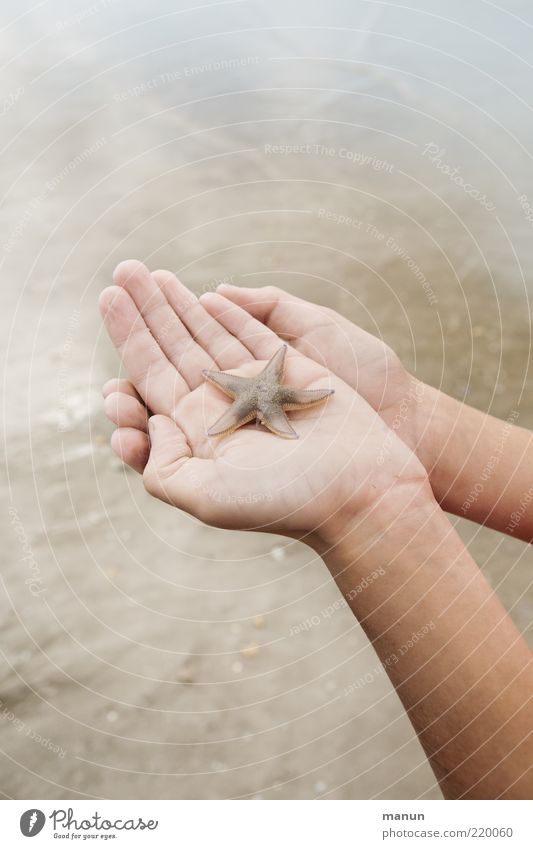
(467, 683)
(479, 466)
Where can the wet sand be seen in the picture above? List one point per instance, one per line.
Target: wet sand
(143, 654)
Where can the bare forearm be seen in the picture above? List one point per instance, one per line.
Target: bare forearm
(479, 466)
(465, 677)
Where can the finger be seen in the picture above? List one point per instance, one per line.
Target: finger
(132, 446)
(282, 312)
(117, 384)
(172, 474)
(259, 339)
(170, 333)
(125, 411)
(155, 378)
(314, 331)
(220, 345)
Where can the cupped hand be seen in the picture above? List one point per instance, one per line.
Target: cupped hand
(362, 360)
(344, 462)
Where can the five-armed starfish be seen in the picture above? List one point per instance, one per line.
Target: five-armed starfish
(263, 398)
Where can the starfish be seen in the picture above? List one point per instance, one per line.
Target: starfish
(262, 398)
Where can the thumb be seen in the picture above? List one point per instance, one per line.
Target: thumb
(169, 451)
(260, 302)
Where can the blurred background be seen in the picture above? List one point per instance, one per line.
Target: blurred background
(367, 155)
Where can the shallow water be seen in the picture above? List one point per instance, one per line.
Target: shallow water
(370, 157)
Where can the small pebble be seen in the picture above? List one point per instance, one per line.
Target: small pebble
(237, 667)
(251, 650)
(260, 621)
(112, 716)
(321, 787)
(185, 675)
(278, 553)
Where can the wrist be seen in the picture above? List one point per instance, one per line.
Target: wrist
(389, 518)
(406, 541)
(411, 416)
(433, 419)
(443, 426)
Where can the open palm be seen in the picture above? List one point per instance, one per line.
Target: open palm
(363, 361)
(251, 478)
